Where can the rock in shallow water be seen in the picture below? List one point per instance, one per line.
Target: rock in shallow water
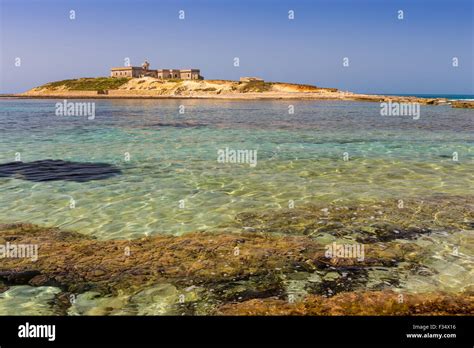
(358, 303)
(93, 303)
(158, 300)
(53, 170)
(28, 300)
(366, 222)
(71, 261)
(145, 276)
(331, 276)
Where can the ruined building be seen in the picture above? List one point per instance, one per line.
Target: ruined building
(136, 71)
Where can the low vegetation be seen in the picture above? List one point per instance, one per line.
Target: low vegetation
(179, 87)
(255, 86)
(89, 84)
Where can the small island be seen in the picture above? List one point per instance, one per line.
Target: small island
(143, 83)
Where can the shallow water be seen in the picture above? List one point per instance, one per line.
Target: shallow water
(173, 158)
(173, 161)
(27, 300)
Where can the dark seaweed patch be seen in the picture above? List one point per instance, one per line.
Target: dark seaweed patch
(349, 279)
(253, 287)
(53, 170)
(20, 278)
(387, 232)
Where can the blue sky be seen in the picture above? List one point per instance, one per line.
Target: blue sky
(386, 55)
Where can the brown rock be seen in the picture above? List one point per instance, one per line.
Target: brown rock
(77, 263)
(362, 303)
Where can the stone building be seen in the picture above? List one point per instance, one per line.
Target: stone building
(135, 71)
(190, 74)
(169, 74)
(126, 71)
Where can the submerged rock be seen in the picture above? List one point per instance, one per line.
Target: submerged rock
(345, 279)
(157, 300)
(198, 272)
(52, 170)
(365, 222)
(79, 263)
(253, 287)
(384, 232)
(331, 276)
(314, 278)
(358, 303)
(93, 303)
(27, 300)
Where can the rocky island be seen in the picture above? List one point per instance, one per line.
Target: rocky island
(147, 87)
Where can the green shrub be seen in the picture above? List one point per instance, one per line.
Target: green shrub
(90, 84)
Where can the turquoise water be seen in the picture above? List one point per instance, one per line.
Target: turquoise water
(173, 160)
(325, 152)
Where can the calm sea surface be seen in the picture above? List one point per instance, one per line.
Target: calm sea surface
(167, 179)
(172, 182)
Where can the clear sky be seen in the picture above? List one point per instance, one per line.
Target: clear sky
(386, 55)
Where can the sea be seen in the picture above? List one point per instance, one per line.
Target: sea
(159, 167)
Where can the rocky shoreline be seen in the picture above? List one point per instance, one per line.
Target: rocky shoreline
(269, 263)
(249, 96)
(152, 88)
(359, 303)
(78, 263)
(463, 104)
